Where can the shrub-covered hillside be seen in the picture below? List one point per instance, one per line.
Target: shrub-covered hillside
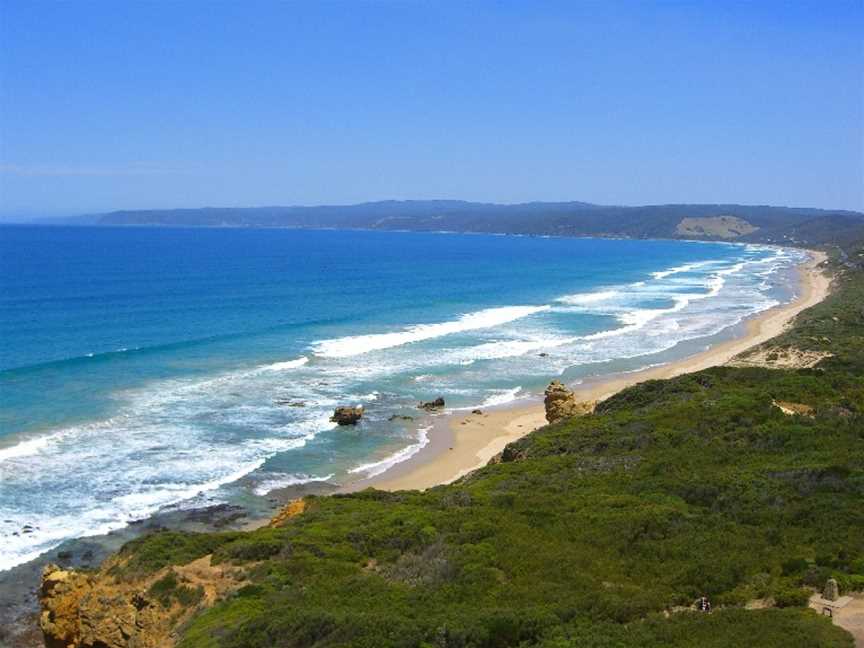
(590, 533)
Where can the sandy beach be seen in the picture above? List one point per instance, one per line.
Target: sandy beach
(460, 443)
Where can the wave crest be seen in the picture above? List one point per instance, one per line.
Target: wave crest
(359, 344)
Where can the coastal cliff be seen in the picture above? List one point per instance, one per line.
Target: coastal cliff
(122, 606)
(101, 610)
(597, 530)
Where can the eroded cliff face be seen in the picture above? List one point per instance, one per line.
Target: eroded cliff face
(287, 512)
(101, 610)
(561, 403)
(97, 610)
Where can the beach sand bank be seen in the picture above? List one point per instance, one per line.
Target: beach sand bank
(460, 443)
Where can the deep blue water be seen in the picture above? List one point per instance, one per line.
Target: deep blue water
(143, 368)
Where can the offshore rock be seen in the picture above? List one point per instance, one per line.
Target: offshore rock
(431, 406)
(347, 415)
(561, 403)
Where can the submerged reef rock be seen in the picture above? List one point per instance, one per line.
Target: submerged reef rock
(400, 417)
(431, 406)
(347, 415)
(561, 403)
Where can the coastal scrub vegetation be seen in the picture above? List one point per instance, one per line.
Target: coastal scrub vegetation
(600, 531)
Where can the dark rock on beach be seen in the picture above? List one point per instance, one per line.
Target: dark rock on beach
(431, 406)
(400, 417)
(347, 415)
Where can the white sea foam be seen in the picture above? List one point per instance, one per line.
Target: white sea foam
(377, 467)
(502, 397)
(282, 480)
(28, 446)
(687, 267)
(635, 319)
(494, 398)
(589, 298)
(173, 443)
(499, 349)
(288, 364)
(49, 530)
(358, 344)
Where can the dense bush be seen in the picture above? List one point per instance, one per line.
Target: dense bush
(151, 553)
(168, 589)
(792, 597)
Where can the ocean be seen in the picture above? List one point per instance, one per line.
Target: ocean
(145, 369)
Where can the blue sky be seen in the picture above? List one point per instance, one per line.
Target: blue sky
(109, 105)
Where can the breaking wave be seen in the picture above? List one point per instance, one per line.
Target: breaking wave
(358, 344)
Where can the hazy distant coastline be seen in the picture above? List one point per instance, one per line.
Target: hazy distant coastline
(717, 222)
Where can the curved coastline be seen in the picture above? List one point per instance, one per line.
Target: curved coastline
(460, 443)
(206, 390)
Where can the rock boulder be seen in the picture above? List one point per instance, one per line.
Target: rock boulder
(431, 406)
(347, 415)
(561, 403)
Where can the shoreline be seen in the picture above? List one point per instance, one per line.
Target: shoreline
(460, 443)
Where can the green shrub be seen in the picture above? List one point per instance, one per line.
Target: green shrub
(168, 588)
(794, 566)
(152, 552)
(251, 549)
(850, 583)
(792, 597)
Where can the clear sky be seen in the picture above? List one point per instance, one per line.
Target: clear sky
(123, 104)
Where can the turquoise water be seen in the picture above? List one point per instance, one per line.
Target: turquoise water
(151, 368)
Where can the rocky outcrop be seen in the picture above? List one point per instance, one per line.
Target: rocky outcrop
(81, 611)
(99, 611)
(60, 595)
(347, 415)
(431, 406)
(561, 403)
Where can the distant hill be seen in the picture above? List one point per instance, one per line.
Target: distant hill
(710, 222)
